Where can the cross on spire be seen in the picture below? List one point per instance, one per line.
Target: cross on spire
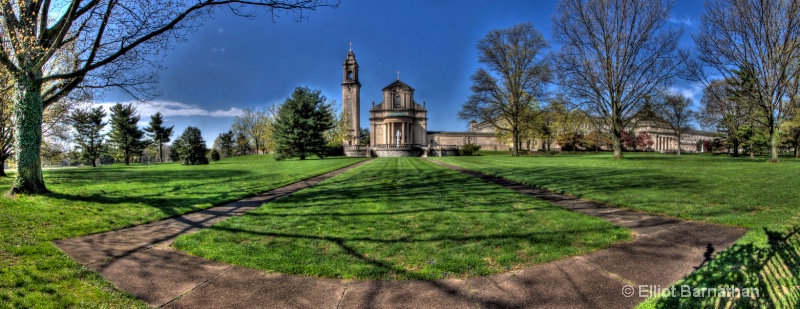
(398, 74)
(351, 45)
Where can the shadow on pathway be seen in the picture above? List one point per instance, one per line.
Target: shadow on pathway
(140, 260)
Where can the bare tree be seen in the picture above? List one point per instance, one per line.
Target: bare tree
(760, 37)
(676, 112)
(614, 54)
(514, 82)
(112, 42)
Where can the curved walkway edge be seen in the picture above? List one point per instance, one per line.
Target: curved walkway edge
(141, 261)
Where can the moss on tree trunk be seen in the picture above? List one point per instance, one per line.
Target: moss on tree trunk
(28, 140)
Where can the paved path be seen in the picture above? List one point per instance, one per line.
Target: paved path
(140, 260)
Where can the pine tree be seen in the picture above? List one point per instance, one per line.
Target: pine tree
(126, 136)
(87, 125)
(191, 147)
(224, 144)
(301, 124)
(158, 133)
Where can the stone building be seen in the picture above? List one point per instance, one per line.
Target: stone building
(398, 120)
(351, 99)
(483, 135)
(397, 125)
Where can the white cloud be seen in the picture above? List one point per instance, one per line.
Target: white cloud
(686, 21)
(176, 109)
(693, 91)
(220, 31)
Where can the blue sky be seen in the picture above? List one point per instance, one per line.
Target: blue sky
(232, 63)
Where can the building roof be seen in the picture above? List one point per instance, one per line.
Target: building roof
(398, 83)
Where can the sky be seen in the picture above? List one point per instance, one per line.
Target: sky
(232, 63)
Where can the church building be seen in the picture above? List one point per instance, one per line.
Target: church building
(397, 125)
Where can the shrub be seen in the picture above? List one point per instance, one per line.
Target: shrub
(214, 155)
(469, 149)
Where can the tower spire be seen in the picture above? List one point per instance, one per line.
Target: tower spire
(398, 74)
(351, 45)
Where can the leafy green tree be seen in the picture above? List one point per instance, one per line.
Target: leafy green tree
(191, 147)
(242, 144)
(214, 155)
(125, 134)
(88, 125)
(301, 124)
(159, 134)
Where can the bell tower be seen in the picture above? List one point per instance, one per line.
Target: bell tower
(351, 99)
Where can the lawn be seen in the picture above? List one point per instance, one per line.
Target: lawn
(402, 218)
(733, 191)
(34, 273)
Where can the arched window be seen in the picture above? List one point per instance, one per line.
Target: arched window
(397, 101)
(349, 75)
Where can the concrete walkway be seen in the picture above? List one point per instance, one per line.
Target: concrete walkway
(140, 260)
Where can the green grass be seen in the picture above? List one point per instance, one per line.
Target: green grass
(34, 273)
(733, 191)
(401, 218)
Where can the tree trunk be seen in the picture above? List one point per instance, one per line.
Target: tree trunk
(736, 147)
(94, 162)
(3, 168)
(28, 140)
(679, 144)
(797, 146)
(160, 153)
(773, 147)
(617, 146)
(515, 137)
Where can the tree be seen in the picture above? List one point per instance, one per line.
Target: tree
(125, 134)
(724, 110)
(159, 134)
(364, 136)
(614, 54)
(628, 140)
(301, 124)
(596, 140)
(214, 155)
(7, 94)
(191, 147)
(760, 37)
(644, 140)
(513, 83)
(242, 144)
(677, 115)
(256, 125)
(106, 44)
(224, 144)
(88, 125)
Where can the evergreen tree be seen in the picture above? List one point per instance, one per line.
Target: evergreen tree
(126, 136)
(173, 152)
(158, 133)
(301, 124)
(87, 125)
(224, 144)
(191, 147)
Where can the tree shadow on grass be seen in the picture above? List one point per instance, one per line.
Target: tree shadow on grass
(746, 276)
(202, 187)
